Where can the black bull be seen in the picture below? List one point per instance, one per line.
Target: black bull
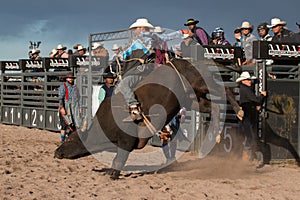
(161, 95)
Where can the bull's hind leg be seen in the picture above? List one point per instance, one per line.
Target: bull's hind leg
(118, 163)
(207, 106)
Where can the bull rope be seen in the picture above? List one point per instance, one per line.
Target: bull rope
(179, 75)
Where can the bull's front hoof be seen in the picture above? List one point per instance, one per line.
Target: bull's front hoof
(115, 174)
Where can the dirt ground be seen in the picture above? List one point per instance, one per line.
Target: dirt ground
(29, 171)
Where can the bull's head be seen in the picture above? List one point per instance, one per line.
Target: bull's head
(72, 148)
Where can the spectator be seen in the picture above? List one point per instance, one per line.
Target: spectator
(75, 47)
(81, 50)
(251, 104)
(197, 33)
(237, 33)
(297, 35)
(160, 47)
(247, 43)
(61, 51)
(53, 53)
(99, 50)
(117, 52)
(107, 89)
(281, 33)
(35, 54)
(184, 50)
(218, 37)
(69, 106)
(117, 60)
(263, 32)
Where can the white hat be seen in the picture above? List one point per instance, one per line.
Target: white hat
(244, 76)
(53, 52)
(158, 29)
(35, 51)
(246, 25)
(115, 47)
(184, 36)
(96, 45)
(275, 22)
(141, 23)
(80, 47)
(61, 47)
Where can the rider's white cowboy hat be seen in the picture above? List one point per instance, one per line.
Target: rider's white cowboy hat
(61, 47)
(245, 76)
(158, 29)
(142, 22)
(276, 22)
(115, 47)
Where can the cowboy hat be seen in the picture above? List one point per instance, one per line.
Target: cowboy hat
(246, 25)
(276, 22)
(97, 45)
(298, 24)
(69, 75)
(141, 23)
(35, 51)
(115, 47)
(158, 29)
(245, 76)
(110, 75)
(191, 22)
(80, 47)
(61, 47)
(76, 46)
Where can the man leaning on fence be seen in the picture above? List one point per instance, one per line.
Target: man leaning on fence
(69, 106)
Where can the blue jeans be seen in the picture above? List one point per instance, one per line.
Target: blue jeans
(126, 87)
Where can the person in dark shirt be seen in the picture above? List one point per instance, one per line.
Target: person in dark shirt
(197, 33)
(251, 105)
(281, 34)
(107, 89)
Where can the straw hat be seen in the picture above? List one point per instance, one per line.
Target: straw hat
(142, 22)
(61, 47)
(276, 22)
(158, 29)
(245, 76)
